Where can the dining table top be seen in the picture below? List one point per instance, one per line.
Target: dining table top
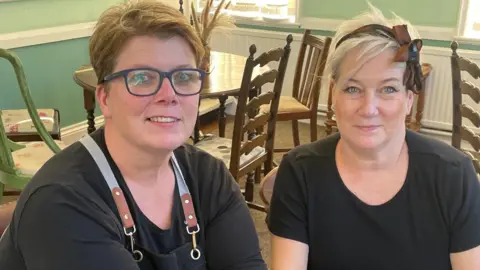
(224, 78)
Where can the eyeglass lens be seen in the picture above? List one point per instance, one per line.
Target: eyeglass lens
(146, 82)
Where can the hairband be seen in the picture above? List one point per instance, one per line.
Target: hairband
(408, 52)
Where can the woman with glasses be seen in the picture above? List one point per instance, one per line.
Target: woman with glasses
(375, 195)
(132, 195)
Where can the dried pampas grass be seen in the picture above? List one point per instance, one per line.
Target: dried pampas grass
(206, 22)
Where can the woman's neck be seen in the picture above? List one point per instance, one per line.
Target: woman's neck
(136, 164)
(382, 158)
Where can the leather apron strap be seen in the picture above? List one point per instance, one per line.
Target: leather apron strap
(127, 220)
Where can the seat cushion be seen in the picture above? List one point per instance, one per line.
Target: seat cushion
(30, 159)
(221, 148)
(19, 121)
(287, 105)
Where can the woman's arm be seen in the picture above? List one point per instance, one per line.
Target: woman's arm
(463, 195)
(231, 239)
(288, 254)
(59, 229)
(466, 260)
(287, 219)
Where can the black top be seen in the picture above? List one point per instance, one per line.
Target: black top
(66, 217)
(436, 212)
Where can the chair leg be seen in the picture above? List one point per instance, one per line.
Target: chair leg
(296, 135)
(249, 187)
(258, 175)
(313, 128)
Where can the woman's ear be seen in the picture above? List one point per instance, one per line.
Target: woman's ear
(102, 97)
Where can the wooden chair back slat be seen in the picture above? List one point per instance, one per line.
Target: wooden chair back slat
(466, 65)
(262, 99)
(471, 114)
(262, 79)
(306, 92)
(259, 120)
(249, 145)
(470, 137)
(475, 161)
(304, 74)
(471, 90)
(270, 56)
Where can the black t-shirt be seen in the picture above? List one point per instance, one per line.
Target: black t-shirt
(436, 212)
(66, 217)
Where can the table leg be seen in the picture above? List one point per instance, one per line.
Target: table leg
(222, 118)
(196, 129)
(89, 104)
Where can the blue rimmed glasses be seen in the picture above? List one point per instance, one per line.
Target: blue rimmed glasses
(147, 81)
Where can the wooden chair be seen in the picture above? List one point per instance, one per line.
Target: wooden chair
(461, 110)
(303, 104)
(414, 125)
(181, 5)
(243, 157)
(18, 162)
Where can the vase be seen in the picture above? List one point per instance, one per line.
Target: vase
(206, 60)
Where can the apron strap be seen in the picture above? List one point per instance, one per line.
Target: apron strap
(187, 203)
(118, 197)
(121, 203)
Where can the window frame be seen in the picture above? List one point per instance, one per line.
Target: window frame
(260, 21)
(462, 24)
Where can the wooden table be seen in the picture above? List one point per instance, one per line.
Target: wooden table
(224, 80)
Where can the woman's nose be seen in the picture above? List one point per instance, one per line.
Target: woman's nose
(369, 104)
(166, 92)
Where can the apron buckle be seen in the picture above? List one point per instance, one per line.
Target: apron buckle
(197, 229)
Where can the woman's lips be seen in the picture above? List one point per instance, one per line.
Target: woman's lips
(368, 128)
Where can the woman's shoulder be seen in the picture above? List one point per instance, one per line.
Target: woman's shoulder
(323, 148)
(202, 167)
(195, 157)
(430, 149)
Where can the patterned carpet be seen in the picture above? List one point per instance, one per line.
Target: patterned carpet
(283, 139)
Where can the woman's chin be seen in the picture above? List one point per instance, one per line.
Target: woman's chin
(166, 141)
(368, 142)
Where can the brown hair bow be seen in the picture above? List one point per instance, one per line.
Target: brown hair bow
(408, 52)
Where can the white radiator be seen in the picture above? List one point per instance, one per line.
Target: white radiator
(437, 113)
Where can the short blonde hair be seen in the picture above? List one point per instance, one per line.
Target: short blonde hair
(119, 23)
(370, 45)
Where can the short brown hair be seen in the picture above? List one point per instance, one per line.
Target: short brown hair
(121, 22)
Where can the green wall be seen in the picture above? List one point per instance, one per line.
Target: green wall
(440, 13)
(49, 70)
(49, 67)
(33, 14)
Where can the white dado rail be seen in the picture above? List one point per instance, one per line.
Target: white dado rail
(438, 98)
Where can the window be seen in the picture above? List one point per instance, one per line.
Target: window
(259, 10)
(470, 19)
(173, 3)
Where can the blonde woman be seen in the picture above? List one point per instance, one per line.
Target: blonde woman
(375, 195)
(132, 196)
